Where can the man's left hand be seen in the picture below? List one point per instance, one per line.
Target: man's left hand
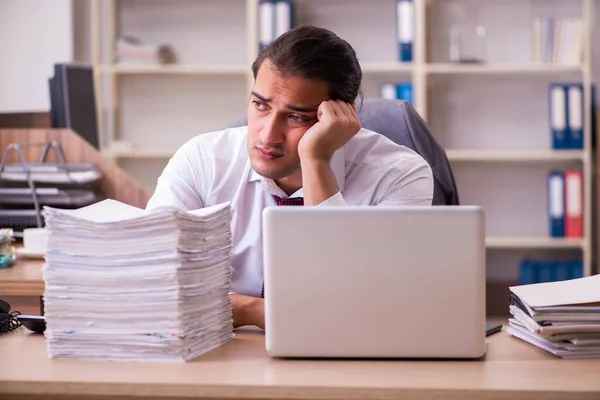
(338, 123)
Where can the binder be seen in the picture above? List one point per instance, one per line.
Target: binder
(266, 28)
(404, 91)
(556, 203)
(405, 29)
(561, 270)
(575, 116)
(283, 17)
(575, 269)
(573, 203)
(527, 273)
(546, 271)
(388, 91)
(558, 115)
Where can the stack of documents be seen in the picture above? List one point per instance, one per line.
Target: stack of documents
(562, 318)
(128, 284)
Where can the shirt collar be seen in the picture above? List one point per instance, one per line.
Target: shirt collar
(338, 166)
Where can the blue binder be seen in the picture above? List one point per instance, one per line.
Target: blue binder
(527, 273)
(575, 269)
(404, 91)
(405, 29)
(575, 116)
(556, 203)
(561, 270)
(546, 271)
(557, 100)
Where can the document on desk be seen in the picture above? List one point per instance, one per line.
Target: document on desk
(129, 284)
(562, 318)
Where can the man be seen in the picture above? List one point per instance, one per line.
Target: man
(303, 140)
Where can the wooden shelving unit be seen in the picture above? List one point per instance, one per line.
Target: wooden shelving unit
(508, 94)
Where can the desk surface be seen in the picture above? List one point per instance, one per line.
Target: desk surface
(24, 278)
(241, 369)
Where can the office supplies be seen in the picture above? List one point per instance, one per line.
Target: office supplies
(575, 115)
(405, 29)
(491, 328)
(155, 284)
(556, 203)
(558, 316)
(392, 274)
(8, 319)
(557, 97)
(34, 323)
(573, 203)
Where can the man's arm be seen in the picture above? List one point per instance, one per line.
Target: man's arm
(338, 123)
(248, 311)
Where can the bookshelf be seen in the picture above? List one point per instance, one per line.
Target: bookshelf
(491, 118)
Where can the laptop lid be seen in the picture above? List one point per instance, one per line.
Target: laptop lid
(357, 281)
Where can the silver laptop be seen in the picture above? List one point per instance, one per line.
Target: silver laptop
(374, 282)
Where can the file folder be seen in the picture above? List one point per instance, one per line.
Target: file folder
(558, 115)
(576, 269)
(266, 28)
(573, 203)
(404, 91)
(556, 203)
(388, 91)
(561, 272)
(405, 29)
(575, 116)
(527, 273)
(283, 17)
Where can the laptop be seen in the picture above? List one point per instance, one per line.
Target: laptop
(374, 282)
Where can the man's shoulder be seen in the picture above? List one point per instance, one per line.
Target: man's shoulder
(227, 143)
(374, 149)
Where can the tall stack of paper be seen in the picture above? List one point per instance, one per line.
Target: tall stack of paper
(562, 318)
(128, 284)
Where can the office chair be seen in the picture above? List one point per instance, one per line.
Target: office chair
(399, 122)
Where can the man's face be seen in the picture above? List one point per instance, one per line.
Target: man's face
(280, 111)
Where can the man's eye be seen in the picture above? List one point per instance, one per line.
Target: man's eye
(298, 119)
(259, 106)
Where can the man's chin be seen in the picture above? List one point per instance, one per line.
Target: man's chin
(271, 171)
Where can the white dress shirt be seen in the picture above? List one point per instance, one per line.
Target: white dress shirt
(214, 168)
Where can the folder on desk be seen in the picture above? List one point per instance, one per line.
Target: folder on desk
(558, 115)
(556, 203)
(405, 29)
(575, 116)
(573, 203)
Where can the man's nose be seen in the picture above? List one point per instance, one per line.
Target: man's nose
(272, 131)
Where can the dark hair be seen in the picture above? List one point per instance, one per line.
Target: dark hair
(316, 53)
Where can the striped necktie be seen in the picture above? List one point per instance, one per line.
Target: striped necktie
(294, 201)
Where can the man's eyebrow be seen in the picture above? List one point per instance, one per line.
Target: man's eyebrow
(289, 106)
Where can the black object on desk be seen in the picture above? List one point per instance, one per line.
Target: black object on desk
(490, 328)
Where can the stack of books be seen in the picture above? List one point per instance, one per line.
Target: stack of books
(562, 318)
(123, 283)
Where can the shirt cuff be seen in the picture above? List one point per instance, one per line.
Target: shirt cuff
(335, 200)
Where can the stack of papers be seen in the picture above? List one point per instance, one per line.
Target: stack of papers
(562, 318)
(128, 284)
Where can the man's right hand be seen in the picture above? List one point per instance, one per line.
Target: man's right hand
(248, 311)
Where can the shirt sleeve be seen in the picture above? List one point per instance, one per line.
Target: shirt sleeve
(335, 200)
(415, 188)
(179, 185)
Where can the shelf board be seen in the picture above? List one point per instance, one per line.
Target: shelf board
(386, 67)
(533, 242)
(138, 153)
(515, 155)
(175, 69)
(449, 68)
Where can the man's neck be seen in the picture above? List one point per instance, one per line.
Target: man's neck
(289, 184)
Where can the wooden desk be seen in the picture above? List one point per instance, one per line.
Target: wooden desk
(512, 369)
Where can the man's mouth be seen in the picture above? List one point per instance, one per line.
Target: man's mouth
(268, 155)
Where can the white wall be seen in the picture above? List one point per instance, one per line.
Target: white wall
(34, 34)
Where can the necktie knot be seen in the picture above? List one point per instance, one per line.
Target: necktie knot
(293, 201)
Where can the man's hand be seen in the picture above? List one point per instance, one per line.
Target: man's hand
(248, 311)
(338, 123)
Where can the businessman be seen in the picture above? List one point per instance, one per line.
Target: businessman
(303, 145)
